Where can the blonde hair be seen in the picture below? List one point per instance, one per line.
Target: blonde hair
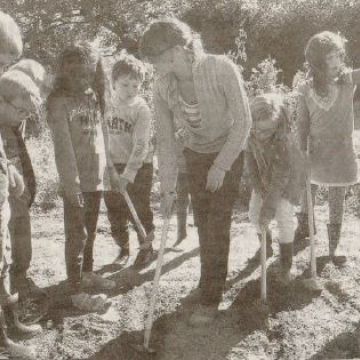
(167, 33)
(271, 106)
(10, 37)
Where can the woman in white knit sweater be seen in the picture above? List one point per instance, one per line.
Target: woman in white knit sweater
(205, 94)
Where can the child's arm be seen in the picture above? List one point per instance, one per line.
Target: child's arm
(64, 153)
(253, 172)
(237, 100)
(302, 120)
(113, 175)
(141, 141)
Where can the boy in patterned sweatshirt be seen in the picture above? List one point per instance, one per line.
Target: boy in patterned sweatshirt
(129, 138)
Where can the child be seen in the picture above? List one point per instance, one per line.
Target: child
(17, 154)
(326, 118)
(129, 140)
(205, 94)
(75, 109)
(269, 163)
(17, 97)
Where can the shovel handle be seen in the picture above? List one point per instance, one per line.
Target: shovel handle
(310, 214)
(135, 215)
(263, 267)
(155, 287)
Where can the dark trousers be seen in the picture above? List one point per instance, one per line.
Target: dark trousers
(118, 213)
(80, 232)
(213, 215)
(182, 194)
(20, 233)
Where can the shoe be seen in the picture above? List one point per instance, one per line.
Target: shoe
(334, 231)
(144, 256)
(285, 275)
(193, 298)
(203, 315)
(19, 351)
(92, 280)
(123, 257)
(90, 303)
(25, 287)
(29, 330)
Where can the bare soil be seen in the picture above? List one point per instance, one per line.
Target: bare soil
(297, 323)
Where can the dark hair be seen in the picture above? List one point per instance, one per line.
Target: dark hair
(317, 48)
(128, 65)
(167, 33)
(85, 54)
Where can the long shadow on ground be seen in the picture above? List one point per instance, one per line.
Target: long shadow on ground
(126, 279)
(175, 339)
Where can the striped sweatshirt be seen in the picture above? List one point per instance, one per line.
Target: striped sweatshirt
(225, 116)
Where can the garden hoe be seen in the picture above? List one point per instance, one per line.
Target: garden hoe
(312, 283)
(262, 303)
(135, 216)
(154, 293)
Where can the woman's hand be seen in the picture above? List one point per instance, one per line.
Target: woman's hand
(167, 203)
(268, 209)
(16, 181)
(123, 183)
(215, 178)
(76, 199)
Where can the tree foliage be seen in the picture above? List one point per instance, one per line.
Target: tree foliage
(273, 28)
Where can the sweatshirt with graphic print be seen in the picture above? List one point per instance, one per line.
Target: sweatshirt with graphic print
(77, 131)
(129, 129)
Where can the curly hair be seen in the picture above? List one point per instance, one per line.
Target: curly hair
(128, 65)
(318, 47)
(167, 33)
(271, 106)
(85, 54)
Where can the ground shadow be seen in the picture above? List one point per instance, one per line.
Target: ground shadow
(175, 339)
(59, 297)
(344, 346)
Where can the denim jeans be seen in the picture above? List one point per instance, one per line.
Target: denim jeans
(213, 215)
(20, 232)
(80, 232)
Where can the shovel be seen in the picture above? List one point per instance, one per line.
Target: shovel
(154, 294)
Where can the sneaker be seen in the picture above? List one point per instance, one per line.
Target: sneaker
(123, 257)
(26, 287)
(285, 277)
(90, 303)
(203, 315)
(29, 330)
(144, 256)
(92, 280)
(19, 351)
